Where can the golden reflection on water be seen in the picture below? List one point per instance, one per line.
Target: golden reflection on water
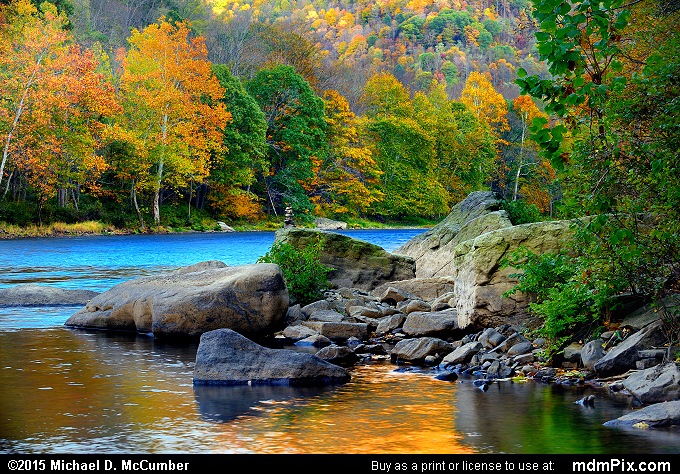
(370, 414)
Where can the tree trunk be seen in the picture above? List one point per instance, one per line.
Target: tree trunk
(75, 193)
(9, 180)
(159, 174)
(61, 197)
(521, 157)
(17, 115)
(133, 194)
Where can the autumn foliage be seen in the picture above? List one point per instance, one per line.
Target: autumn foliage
(350, 110)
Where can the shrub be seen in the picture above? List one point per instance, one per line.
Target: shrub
(306, 277)
(568, 296)
(521, 213)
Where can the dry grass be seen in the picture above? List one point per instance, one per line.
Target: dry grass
(10, 231)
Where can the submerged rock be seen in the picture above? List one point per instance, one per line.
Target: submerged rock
(225, 357)
(251, 299)
(31, 294)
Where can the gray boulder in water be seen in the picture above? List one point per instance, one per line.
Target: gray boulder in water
(225, 357)
(658, 415)
(251, 299)
(30, 294)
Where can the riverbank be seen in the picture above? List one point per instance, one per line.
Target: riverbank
(61, 229)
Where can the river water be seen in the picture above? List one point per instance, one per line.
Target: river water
(75, 391)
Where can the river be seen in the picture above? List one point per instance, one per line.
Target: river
(75, 391)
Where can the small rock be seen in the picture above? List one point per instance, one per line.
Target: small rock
(392, 295)
(298, 332)
(572, 353)
(321, 305)
(447, 376)
(224, 227)
(587, 401)
(520, 348)
(327, 315)
(491, 338)
(390, 323)
(591, 353)
(315, 340)
(498, 370)
(339, 355)
(643, 364)
(462, 354)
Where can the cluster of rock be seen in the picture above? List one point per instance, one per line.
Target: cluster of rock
(438, 302)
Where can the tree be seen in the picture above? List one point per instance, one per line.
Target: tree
(172, 103)
(57, 100)
(30, 39)
(296, 134)
(527, 111)
(464, 146)
(404, 149)
(614, 67)
(236, 168)
(487, 104)
(346, 179)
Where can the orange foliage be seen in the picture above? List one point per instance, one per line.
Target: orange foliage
(171, 100)
(56, 100)
(234, 202)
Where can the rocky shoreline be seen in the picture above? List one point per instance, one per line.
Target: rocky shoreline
(436, 305)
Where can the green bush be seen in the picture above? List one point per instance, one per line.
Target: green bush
(521, 213)
(306, 277)
(568, 297)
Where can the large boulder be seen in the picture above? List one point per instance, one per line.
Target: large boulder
(417, 349)
(355, 263)
(423, 288)
(30, 294)
(225, 357)
(434, 250)
(329, 224)
(659, 415)
(480, 281)
(656, 384)
(250, 299)
(435, 323)
(623, 356)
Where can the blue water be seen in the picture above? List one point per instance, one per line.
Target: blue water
(99, 262)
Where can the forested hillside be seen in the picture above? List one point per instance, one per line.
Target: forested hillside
(383, 110)
(155, 112)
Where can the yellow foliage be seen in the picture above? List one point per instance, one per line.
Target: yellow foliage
(488, 104)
